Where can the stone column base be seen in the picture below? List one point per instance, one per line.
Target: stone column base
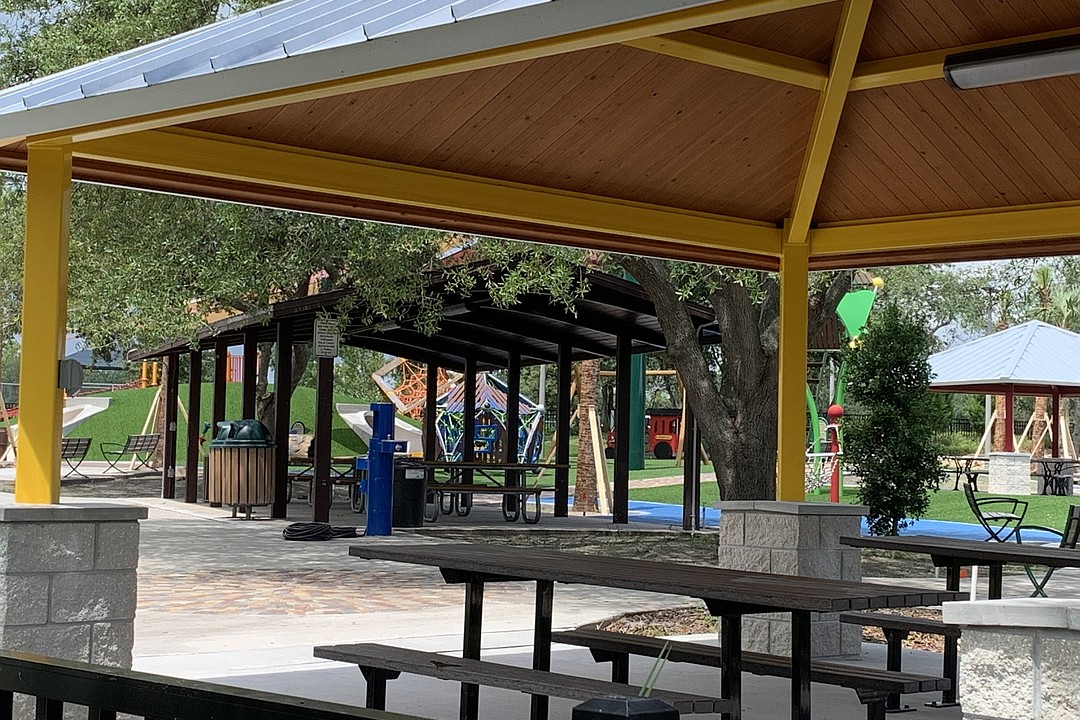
(68, 579)
(1009, 474)
(1019, 658)
(791, 538)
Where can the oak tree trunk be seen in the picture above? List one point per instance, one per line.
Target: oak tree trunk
(737, 412)
(588, 372)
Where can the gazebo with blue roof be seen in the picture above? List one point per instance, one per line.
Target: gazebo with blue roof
(1028, 359)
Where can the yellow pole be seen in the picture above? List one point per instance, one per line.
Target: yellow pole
(45, 284)
(791, 427)
(153, 374)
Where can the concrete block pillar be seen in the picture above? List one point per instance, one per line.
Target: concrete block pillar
(1019, 658)
(67, 574)
(792, 538)
(1009, 474)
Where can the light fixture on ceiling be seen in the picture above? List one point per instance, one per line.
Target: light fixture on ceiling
(1033, 60)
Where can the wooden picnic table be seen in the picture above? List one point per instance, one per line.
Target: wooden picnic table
(728, 594)
(954, 553)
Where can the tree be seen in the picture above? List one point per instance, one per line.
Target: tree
(890, 444)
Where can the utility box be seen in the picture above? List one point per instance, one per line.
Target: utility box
(241, 466)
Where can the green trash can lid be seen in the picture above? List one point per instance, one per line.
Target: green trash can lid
(242, 433)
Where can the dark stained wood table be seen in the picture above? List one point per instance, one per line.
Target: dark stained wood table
(728, 594)
(953, 553)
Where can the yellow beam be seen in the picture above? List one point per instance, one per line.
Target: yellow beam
(45, 265)
(715, 13)
(791, 352)
(1015, 224)
(921, 67)
(710, 50)
(279, 166)
(849, 36)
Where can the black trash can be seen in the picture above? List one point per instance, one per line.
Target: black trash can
(410, 495)
(241, 466)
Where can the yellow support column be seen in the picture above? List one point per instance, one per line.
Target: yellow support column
(45, 283)
(791, 425)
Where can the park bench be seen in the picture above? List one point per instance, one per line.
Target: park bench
(136, 446)
(896, 629)
(380, 663)
(73, 452)
(872, 686)
(457, 497)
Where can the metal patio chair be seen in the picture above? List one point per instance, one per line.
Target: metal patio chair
(1000, 524)
(1068, 542)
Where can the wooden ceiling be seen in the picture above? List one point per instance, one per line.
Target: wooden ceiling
(634, 124)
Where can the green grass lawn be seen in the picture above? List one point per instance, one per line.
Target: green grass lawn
(129, 408)
(1049, 511)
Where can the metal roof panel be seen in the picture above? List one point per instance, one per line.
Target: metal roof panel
(1033, 353)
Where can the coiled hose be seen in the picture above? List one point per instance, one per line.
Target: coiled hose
(317, 531)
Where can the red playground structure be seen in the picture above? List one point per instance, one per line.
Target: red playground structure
(662, 433)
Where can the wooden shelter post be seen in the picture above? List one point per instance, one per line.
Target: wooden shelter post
(44, 309)
(251, 372)
(791, 423)
(1010, 440)
(1055, 423)
(283, 371)
(513, 420)
(324, 419)
(172, 398)
(431, 398)
(562, 430)
(221, 371)
(468, 428)
(194, 431)
(217, 410)
(691, 442)
(620, 512)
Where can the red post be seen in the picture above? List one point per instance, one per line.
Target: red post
(833, 414)
(1009, 437)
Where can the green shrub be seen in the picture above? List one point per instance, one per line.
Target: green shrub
(891, 444)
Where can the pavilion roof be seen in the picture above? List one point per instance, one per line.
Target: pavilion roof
(1032, 358)
(681, 128)
(472, 327)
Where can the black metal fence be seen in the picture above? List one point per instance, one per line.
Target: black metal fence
(108, 691)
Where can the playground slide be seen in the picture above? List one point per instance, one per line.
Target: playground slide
(358, 417)
(76, 410)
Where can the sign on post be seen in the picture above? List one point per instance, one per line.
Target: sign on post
(327, 341)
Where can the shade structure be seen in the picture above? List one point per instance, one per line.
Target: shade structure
(1031, 359)
(781, 135)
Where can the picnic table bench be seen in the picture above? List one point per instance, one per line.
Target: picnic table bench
(728, 594)
(73, 452)
(874, 687)
(380, 663)
(896, 628)
(135, 446)
(455, 495)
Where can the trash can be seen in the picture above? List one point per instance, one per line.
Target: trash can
(410, 494)
(241, 466)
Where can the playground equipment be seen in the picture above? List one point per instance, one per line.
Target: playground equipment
(491, 403)
(822, 460)
(409, 393)
(361, 419)
(662, 427)
(76, 410)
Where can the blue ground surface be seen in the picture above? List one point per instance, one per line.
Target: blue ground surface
(667, 515)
